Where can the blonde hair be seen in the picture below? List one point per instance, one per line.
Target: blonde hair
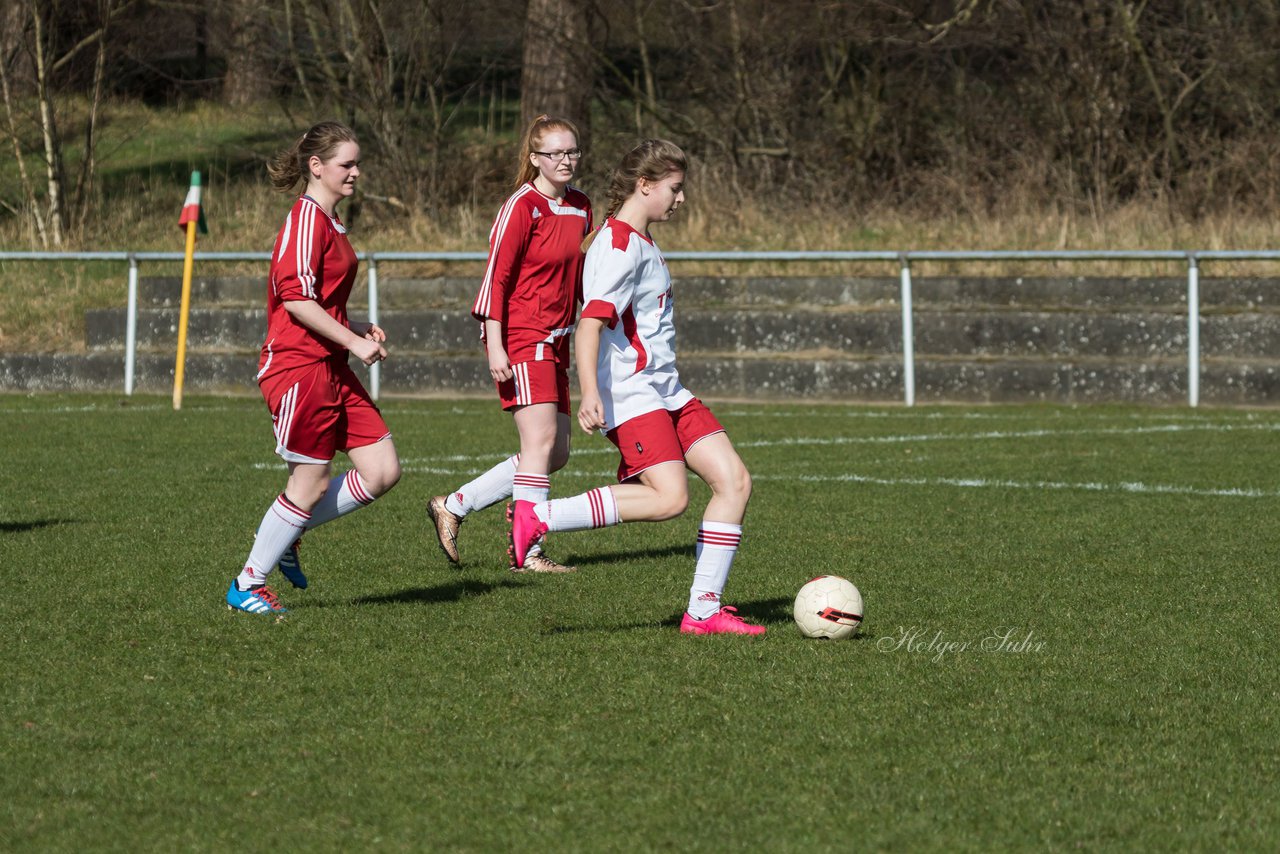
(652, 160)
(289, 167)
(532, 141)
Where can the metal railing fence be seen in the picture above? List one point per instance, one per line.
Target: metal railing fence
(1191, 258)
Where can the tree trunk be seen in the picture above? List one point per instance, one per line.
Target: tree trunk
(49, 129)
(34, 215)
(248, 76)
(559, 66)
(89, 162)
(12, 26)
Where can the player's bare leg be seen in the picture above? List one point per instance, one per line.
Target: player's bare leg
(715, 460)
(277, 534)
(378, 464)
(376, 470)
(544, 448)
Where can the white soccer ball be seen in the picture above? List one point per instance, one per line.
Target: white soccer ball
(828, 607)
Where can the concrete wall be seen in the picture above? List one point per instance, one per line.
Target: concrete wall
(976, 339)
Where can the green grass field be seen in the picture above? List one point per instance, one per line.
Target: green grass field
(1126, 556)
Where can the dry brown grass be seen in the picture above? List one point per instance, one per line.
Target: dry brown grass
(42, 305)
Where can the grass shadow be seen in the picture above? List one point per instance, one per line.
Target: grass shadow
(22, 527)
(438, 594)
(770, 611)
(610, 558)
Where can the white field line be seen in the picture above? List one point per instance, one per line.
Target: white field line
(1010, 434)
(431, 465)
(1129, 487)
(92, 408)
(865, 415)
(825, 412)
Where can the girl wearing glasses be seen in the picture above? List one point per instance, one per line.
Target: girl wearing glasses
(625, 347)
(527, 304)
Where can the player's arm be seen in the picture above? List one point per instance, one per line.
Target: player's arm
(586, 347)
(608, 287)
(295, 270)
(508, 243)
(499, 363)
(369, 330)
(313, 317)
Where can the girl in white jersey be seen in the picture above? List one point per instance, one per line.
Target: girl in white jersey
(625, 351)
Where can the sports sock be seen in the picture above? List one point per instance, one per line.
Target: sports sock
(489, 488)
(717, 546)
(531, 487)
(594, 509)
(283, 523)
(346, 492)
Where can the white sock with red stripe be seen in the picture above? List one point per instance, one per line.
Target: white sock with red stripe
(531, 487)
(489, 488)
(283, 523)
(717, 545)
(595, 509)
(346, 492)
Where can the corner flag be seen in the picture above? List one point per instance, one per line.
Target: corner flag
(191, 220)
(192, 210)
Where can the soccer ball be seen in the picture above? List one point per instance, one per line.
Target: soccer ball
(828, 607)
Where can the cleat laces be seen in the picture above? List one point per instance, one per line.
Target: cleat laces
(266, 594)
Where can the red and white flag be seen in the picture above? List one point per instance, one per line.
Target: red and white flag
(192, 210)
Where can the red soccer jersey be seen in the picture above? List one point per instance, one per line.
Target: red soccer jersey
(533, 282)
(312, 260)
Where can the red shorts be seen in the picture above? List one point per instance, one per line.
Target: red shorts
(319, 408)
(661, 436)
(536, 382)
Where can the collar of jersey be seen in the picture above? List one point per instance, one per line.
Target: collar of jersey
(629, 227)
(569, 188)
(333, 217)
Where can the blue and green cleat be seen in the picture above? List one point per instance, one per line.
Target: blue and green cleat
(291, 567)
(259, 599)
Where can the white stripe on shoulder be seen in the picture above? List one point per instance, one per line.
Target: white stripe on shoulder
(306, 233)
(496, 234)
(284, 238)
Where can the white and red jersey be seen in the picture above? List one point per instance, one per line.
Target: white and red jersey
(627, 285)
(312, 260)
(533, 282)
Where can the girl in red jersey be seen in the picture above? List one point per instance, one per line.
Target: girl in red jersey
(626, 356)
(317, 403)
(527, 304)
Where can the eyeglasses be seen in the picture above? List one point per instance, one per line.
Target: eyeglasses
(557, 156)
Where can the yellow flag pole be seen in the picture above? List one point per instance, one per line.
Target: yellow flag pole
(187, 264)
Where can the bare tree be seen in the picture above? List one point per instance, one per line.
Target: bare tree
(48, 47)
(12, 46)
(54, 171)
(248, 76)
(559, 69)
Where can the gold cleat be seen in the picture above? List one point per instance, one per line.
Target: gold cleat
(447, 526)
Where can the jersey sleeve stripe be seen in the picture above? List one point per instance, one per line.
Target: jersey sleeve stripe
(284, 238)
(306, 235)
(602, 310)
(496, 236)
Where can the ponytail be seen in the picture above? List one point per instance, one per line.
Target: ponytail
(289, 167)
(653, 160)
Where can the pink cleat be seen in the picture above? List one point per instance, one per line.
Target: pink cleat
(723, 622)
(526, 529)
